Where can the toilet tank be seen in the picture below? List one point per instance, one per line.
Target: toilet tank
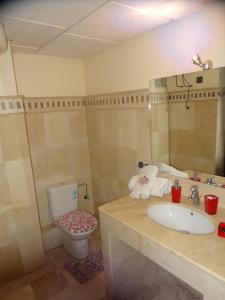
(62, 198)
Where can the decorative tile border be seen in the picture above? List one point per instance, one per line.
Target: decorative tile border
(128, 99)
(42, 104)
(140, 98)
(11, 105)
(197, 95)
(194, 95)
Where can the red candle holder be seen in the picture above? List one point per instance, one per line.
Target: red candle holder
(211, 204)
(176, 194)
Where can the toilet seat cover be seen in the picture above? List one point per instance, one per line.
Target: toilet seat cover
(77, 221)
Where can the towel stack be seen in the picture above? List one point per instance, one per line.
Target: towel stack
(147, 183)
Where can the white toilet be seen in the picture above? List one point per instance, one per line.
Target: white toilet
(76, 224)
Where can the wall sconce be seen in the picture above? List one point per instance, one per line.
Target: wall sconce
(204, 65)
(3, 39)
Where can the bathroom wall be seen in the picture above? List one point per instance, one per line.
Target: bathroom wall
(59, 151)
(56, 123)
(119, 130)
(129, 66)
(49, 76)
(159, 53)
(118, 135)
(21, 248)
(7, 76)
(195, 143)
(193, 136)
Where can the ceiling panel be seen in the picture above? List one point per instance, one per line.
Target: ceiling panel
(173, 9)
(68, 45)
(28, 34)
(116, 23)
(56, 12)
(23, 49)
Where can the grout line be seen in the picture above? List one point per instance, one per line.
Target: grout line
(22, 46)
(33, 22)
(92, 38)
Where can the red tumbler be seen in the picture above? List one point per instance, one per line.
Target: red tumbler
(211, 203)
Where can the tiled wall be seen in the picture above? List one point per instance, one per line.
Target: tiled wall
(98, 140)
(121, 131)
(59, 151)
(120, 127)
(193, 136)
(21, 248)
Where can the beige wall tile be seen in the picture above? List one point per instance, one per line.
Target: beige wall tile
(29, 238)
(4, 187)
(17, 180)
(59, 154)
(37, 136)
(193, 135)
(17, 196)
(57, 129)
(7, 229)
(118, 138)
(13, 139)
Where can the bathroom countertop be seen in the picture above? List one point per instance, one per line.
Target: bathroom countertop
(204, 251)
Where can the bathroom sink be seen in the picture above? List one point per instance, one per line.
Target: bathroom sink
(180, 218)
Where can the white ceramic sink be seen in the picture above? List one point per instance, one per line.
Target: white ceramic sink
(180, 218)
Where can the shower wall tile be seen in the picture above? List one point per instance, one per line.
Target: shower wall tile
(13, 133)
(119, 133)
(122, 131)
(21, 248)
(59, 152)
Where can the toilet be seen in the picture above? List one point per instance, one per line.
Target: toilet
(75, 224)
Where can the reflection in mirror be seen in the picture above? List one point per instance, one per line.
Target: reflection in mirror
(188, 127)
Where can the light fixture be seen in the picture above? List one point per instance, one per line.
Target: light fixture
(3, 39)
(204, 65)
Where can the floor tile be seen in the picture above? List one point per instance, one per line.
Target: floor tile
(53, 282)
(23, 293)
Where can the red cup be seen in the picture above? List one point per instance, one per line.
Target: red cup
(176, 194)
(211, 203)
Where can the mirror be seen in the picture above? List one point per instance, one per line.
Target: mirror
(187, 121)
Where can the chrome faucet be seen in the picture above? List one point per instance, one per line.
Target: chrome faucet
(210, 181)
(195, 195)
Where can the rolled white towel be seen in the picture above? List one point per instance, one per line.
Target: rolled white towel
(151, 171)
(161, 186)
(144, 183)
(164, 168)
(132, 182)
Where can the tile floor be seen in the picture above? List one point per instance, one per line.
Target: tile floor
(53, 282)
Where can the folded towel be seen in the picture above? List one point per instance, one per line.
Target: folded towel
(151, 170)
(144, 183)
(162, 167)
(161, 186)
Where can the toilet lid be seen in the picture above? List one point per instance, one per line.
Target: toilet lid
(77, 221)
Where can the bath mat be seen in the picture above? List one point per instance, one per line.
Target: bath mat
(87, 268)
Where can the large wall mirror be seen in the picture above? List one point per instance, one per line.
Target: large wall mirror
(188, 121)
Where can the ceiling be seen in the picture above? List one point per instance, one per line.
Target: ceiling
(81, 28)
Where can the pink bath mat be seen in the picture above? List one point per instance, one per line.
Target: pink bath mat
(87, 268)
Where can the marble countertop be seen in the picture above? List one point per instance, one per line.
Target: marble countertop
(205, 251)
